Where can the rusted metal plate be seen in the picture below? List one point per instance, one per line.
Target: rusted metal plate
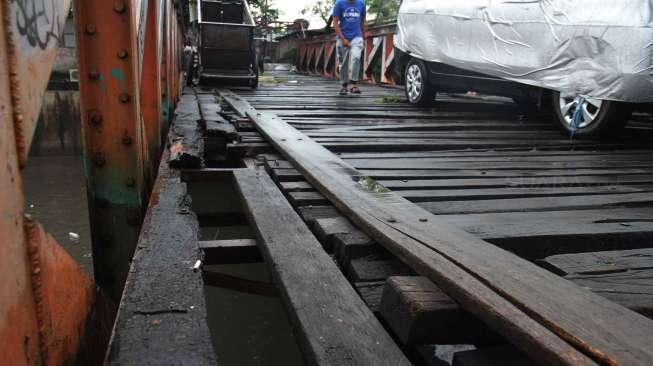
(45, 297)
(63, 296)
(33, 31)
(18, 326)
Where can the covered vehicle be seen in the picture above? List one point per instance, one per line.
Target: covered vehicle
(593, 58)
(225, 42)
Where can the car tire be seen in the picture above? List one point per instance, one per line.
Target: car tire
(597, 119)
(418, 90)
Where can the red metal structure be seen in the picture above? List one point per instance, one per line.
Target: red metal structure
(318, 55)
(124, 85)
(128, 87)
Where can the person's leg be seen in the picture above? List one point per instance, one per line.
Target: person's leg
(356, 50)
(343, 56)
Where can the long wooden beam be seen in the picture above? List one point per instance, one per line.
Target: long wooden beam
(333, 324)
(547, 317)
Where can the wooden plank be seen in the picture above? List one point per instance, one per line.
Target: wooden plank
(420, 313)
(334, 325)
(162, 315)
(185, 139)
(543, 315)
(304, 198)
(632, 289)
(230, 251)
(533, 204)
(374, 269)
(625, 277)
(600, 262)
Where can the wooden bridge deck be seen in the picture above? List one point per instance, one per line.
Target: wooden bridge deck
(478, 162)
(581, 209)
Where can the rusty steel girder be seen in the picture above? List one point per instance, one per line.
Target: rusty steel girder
(108, 57)
(319, 55)
(46, 299)
(127, 88)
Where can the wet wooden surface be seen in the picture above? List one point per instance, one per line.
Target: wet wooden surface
(477, 163)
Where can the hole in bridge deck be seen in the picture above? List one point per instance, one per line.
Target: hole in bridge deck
(247, 320)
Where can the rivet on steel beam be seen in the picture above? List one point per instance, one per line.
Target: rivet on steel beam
(96, 119)
(90, 29)
(119, 7)
(126, 140)
(130, 182)
(99, 159)
(94, 75)
(124, 98)
(122, 54)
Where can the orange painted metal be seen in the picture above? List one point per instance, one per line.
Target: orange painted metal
(112, 130)
(45, 297)
(151, 91)
(64, 295)
(18, 324)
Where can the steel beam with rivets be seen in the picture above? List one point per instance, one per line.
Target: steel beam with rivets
(108, 56)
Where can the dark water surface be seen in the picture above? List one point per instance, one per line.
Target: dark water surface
(55, 194)
(247, 329)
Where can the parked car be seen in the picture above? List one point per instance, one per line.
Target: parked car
(591, 59)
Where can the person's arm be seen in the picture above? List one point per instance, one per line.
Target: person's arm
(336, 26)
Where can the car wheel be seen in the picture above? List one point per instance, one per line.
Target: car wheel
(590, 117)
(418, 89)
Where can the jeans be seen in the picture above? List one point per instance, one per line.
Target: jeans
(349, 59)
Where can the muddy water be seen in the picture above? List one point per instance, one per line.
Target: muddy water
(55, 193)
(246, 329)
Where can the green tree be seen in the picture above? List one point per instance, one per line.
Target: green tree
(321, 8)
(383, 11)
(263, 12)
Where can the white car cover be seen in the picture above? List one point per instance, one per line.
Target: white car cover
(595, 48)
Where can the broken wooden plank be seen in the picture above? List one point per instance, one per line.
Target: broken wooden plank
(185, 139)
(540, 313)
(230, 251)
(333, 324)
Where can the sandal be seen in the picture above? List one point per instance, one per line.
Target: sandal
(355, 90)
(344, 91)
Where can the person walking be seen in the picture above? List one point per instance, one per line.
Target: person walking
(349, 24)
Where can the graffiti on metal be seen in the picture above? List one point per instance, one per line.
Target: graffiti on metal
(38, 21)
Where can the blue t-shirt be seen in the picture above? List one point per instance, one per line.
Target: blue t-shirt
(350, 13)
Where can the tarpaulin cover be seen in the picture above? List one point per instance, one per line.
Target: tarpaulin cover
(595, 48)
